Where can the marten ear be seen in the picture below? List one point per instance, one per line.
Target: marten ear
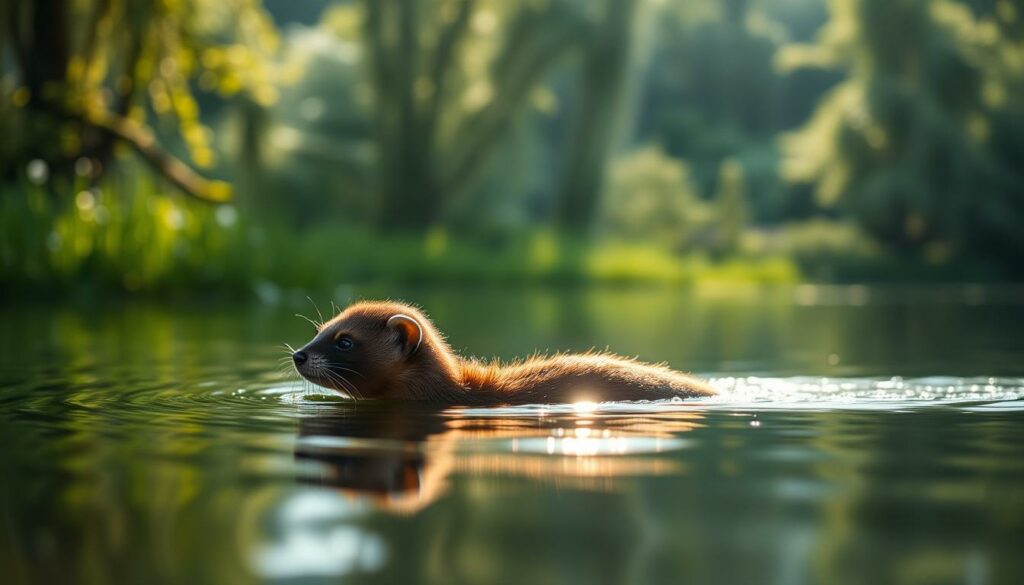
(410, 334)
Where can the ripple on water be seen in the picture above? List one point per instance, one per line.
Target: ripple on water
(213, 396)
(802, 393)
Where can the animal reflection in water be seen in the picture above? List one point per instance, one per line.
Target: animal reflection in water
(402, 458)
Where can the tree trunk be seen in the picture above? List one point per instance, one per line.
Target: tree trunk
(407, 184)
(598, 109)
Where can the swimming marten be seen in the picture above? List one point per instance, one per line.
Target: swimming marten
(387, 350)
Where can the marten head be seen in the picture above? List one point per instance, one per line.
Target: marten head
(378, 350)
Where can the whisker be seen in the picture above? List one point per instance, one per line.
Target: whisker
(320, 373)
(344, 369)
(319, 314)
(311, 322)
(350, 388)
(334, 370)
(286, 370)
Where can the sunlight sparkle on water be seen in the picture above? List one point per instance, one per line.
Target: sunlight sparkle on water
(584, 407)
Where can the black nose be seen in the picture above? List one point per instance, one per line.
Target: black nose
(300, 357)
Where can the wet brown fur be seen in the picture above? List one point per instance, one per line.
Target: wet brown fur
(390, 367)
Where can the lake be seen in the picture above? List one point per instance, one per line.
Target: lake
(863, 435)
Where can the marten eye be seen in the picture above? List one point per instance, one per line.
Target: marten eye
(345, 343)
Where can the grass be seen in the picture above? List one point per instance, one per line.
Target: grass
(351, 255)
(130, 237)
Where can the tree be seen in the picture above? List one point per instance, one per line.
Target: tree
(599, 95)
(652, 197)
(731, 206)
(89, 75)
(913, 143)
(447, 82)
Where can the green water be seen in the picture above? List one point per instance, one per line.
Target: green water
(863, 436)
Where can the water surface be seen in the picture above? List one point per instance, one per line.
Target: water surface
(862, 436)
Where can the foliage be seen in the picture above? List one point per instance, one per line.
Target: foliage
(130, 235)
(731, 207)
(126, 234)
(710, 92)
(312, 149)
(912, 142)
(86, 75)
(651, 197)
(446, 88)
(824, 250)
(478, 140)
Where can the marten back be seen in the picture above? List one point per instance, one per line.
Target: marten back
(391, 350)
(576, 377)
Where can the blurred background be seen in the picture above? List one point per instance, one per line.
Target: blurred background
(243, 146)
(668, 161)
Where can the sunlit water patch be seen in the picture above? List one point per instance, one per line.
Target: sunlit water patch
(805, 393)
(863, 393)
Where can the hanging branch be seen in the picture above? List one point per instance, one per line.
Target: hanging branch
(141, 140)
(170, 167)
